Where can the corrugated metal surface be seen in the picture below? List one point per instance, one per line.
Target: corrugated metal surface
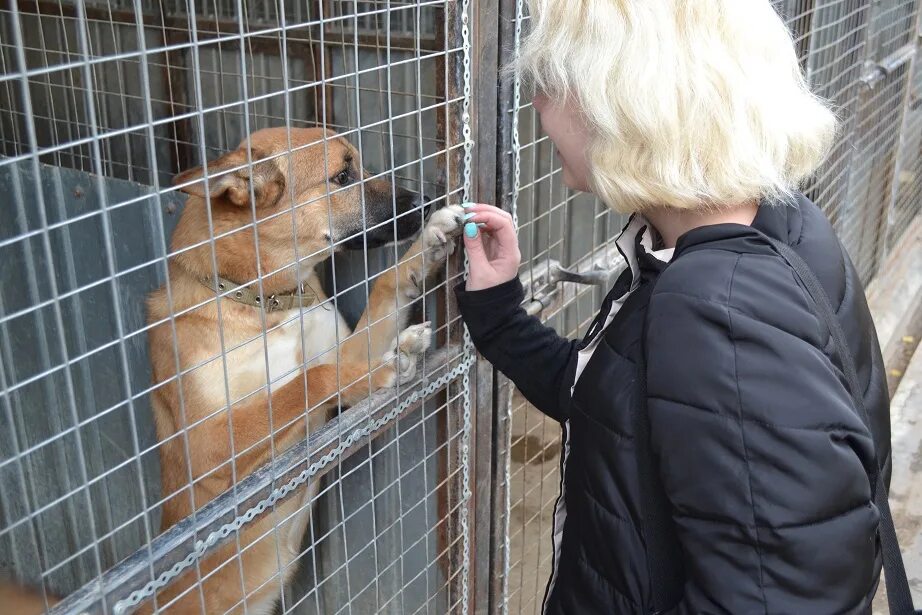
(88, 491)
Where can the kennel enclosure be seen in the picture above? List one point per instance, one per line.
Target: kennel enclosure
(436, 497)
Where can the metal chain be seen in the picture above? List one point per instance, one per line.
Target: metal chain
(514, 206)
(468, 346)
(516, 101)
(202, 546)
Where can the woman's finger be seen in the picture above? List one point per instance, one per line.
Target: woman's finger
(477, 257)
(483, 207)
(496, 224)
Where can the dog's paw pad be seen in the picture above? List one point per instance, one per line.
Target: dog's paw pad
(442, 226)
(415, 339)
(412, 342)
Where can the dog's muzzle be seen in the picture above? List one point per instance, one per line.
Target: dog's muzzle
(390, 218)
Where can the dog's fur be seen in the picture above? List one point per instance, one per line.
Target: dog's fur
(18, 600)
(217, 421)
(219, 415)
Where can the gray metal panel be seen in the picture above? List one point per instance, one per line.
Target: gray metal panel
(40, 411)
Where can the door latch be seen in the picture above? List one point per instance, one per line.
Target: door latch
(877, 71)
(545, 282)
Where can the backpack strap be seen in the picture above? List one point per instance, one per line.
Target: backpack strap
(898, 594)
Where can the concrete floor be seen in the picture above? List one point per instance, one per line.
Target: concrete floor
(534, 485)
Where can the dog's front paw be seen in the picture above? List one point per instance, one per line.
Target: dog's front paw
(409, 345)
(439, 233)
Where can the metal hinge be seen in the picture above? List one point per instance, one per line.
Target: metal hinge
(543, 283)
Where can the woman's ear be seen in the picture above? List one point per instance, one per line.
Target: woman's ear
(230, 177)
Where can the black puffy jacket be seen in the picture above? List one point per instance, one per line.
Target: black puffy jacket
(759, 453)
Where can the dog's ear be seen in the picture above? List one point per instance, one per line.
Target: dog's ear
(231, 176)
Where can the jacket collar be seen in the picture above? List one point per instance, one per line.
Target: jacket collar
(781, 220)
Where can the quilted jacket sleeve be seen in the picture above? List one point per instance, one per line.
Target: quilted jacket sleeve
(760, 453)
(538, 360)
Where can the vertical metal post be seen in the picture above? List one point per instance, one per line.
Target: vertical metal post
(485, 67)
(502, 387)
(887, 217)
(458, 511)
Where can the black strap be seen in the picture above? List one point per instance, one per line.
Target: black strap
(898, 594)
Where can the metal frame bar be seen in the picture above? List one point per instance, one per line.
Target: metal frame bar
(485, 62)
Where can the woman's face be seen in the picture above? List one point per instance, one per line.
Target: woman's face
(564, 125)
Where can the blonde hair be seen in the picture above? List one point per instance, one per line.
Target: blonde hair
(690, 103)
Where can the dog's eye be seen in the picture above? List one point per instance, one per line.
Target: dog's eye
(342, 178)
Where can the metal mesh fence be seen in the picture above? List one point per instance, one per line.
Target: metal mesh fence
(179, 449)
(859, 56)
(167, 444)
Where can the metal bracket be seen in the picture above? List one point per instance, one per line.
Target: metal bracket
(876, 72)
(543, 283)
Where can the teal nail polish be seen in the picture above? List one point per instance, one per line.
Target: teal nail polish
(470, 215)
(471, 230)
(467, 205)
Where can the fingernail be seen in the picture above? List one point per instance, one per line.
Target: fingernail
(471, 230)
(481, 224)
(470, 215)
(467, 205)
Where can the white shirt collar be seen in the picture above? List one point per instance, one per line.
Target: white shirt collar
(627, 243)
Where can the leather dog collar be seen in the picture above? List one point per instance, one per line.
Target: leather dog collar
(301, 297)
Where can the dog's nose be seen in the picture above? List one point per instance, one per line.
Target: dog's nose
(407, 201)
(408, 206)
(427, 205)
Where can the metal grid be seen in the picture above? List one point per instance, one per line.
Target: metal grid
(101, 104)
(858, 55)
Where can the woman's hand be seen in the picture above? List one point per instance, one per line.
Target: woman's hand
(492, 246)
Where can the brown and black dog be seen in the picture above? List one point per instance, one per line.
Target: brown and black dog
(238, 382)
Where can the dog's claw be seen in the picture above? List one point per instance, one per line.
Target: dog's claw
(444, 224)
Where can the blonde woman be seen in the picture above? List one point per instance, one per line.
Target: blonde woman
(708, 354)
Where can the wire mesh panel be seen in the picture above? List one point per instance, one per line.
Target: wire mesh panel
(557, 228)
(907, 180)
(857, 55)
(226, 226)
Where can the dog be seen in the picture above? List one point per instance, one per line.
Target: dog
(247, 376)
(315, 362)
(18, 600)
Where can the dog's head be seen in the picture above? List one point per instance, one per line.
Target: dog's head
(306, 182)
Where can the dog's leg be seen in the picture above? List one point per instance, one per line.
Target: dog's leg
(397, 288)
(327, 385)
(293, 405)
